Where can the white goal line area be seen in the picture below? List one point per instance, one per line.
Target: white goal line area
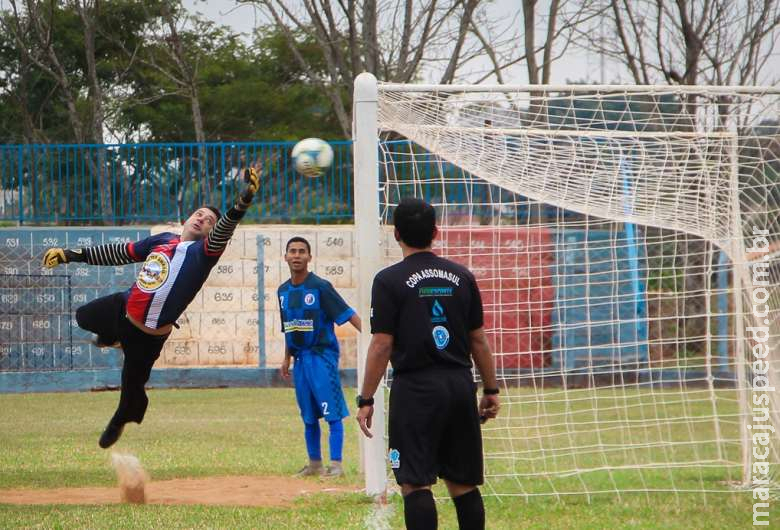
(611, 231)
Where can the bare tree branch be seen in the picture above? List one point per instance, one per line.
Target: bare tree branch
(468, 9)
(694, 41)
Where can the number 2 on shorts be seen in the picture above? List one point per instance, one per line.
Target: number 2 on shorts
(324, 408)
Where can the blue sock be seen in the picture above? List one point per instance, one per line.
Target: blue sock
(312, 434)
(336, 440)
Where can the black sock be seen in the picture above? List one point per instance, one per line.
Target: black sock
(420, 511)
(471, 511)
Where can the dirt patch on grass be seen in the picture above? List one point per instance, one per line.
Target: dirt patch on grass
(219, 491)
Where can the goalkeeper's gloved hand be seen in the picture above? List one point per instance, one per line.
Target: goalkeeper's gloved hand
(56, 256)
(53, 257)
(252, 179)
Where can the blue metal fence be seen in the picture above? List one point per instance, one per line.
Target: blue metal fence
(149, 183)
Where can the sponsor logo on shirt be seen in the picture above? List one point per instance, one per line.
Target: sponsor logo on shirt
(424, 274)
(154, 272)
(424, 292)
(299, 324)
(437, 313)
(441, 336)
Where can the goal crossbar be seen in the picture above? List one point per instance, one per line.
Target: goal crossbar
(584, 133)
(630, 89)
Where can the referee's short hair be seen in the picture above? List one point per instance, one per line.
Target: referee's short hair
(297, 239)
(415, 221)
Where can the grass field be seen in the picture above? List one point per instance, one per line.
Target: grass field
(50, 441)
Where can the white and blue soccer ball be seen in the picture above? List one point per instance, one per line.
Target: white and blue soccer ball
(312, 157)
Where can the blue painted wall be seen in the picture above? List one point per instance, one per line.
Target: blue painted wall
(35, 333)
(39, 331)
(601, 309)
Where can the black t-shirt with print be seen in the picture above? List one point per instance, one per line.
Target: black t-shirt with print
(429, 305)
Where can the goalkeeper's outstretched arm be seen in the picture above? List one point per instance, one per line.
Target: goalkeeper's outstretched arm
(223, 230)
(111, 254)
(125, 253)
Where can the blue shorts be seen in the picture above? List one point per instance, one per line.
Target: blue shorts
(318, 388)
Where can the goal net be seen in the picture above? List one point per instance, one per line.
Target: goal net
(626, 242)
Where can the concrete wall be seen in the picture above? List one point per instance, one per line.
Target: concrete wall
(220, 327)
(230, 323)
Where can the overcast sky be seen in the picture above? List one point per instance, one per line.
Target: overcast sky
(576, 65)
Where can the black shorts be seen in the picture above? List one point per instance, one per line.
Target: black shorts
(434, 428)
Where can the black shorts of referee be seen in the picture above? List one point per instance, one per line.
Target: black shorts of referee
(435, 427)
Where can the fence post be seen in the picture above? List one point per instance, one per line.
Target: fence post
(222, 176)
(20, 174)
(262, 358)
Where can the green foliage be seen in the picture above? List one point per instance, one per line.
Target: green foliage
(32, 104)
(669, 279)
(246, 91)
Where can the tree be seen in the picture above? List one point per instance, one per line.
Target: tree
(393, 40)
(244, 91)
(58, 41)
(563, 19)
(716, 42)
(30, 111)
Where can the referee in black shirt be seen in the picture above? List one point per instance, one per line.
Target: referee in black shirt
(426, 318)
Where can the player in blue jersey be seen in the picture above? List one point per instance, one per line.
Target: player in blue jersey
(309, 308)
(140, 319)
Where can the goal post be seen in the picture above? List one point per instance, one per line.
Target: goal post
(368, 237)
(615, 233)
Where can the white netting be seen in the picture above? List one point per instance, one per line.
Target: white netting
(613, 234)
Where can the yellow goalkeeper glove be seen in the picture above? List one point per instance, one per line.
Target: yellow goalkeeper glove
(57, 256)
(252, 179)
(54, 257)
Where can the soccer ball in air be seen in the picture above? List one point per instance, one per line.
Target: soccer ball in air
(312, 157)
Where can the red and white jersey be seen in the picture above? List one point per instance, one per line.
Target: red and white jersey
(172, 274)
(173, 271)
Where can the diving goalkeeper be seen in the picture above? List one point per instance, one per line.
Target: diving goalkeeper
(140, 319)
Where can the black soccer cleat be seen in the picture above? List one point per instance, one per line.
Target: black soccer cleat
(102, 343)
(110, 435)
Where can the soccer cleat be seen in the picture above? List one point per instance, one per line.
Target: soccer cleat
(312, 469)
(110, 435)
(98, 341)
(334, 470)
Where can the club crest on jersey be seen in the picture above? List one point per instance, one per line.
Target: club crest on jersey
(441, 336)
(394, 456)
(308, 299)
(154, 272)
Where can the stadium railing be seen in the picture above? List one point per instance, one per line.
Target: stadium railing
(147, 183)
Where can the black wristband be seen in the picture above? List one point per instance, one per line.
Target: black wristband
(245, 199)
(490, 391)
(364, 402)
(77, 255)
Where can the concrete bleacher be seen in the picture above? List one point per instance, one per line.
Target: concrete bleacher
(221, 325)
(234, 321)
(21, 250)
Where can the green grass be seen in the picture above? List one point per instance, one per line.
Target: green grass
(50, 440)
